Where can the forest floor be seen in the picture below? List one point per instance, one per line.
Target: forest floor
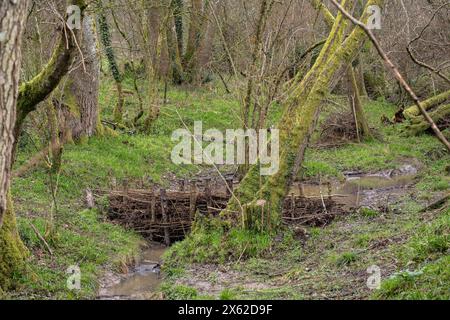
(323, 263)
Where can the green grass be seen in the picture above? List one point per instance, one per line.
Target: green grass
(208, 242)
(429, 283)
(179, 292)
(346, 258)
(368, 212)
(430, 241)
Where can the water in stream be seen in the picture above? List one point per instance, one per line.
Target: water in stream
(141, 282)
(359, 190)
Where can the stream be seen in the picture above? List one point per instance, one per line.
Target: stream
(141, 282)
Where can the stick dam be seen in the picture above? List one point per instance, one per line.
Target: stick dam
(167, 215)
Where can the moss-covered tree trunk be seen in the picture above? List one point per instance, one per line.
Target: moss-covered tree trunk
(12, 18)
(33, 92)
(419, 124)
(12, 250)
(413, 111)
(30, 94)
(178, 7)
(173, 51)
(297, 119)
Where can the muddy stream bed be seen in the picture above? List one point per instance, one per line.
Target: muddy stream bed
(141, 282)
(356, 190)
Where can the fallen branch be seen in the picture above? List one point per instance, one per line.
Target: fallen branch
(38, 234)
(436, 204)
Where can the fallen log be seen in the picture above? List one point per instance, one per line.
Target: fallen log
(419, 124)
(414, 111)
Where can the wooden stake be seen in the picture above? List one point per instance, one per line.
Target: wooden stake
(292, 205)
(229, 186)
(208, 195)
(165, 218)
(193, 200)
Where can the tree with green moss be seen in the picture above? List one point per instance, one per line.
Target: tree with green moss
(413, 111)
(257, 196)
(12, 19)
(354, 89)
(29, 95)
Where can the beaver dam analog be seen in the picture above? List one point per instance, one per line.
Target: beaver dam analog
(167, 215)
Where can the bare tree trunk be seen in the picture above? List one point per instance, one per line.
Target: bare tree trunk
(361, 123)
(360, 77)
(83, 85)
(248, 100)
(197, 29)
(195, 12)
(11, 25)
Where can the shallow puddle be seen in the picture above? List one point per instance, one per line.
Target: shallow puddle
(361, 189)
